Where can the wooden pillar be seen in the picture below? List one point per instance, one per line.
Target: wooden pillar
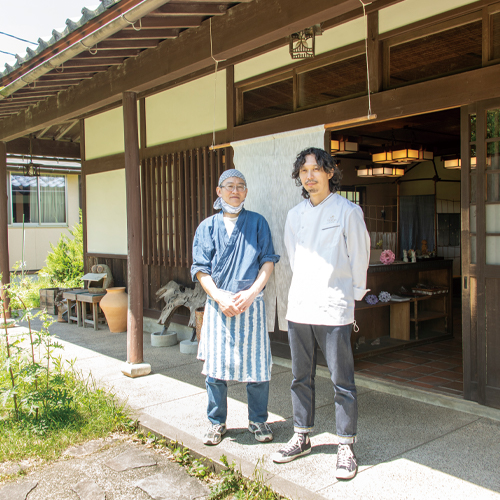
(374, 53)
(4, 234)
(134, 239)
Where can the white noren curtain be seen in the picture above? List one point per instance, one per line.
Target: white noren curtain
(267, 164)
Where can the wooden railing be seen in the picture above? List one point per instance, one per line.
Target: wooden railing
(178, 192)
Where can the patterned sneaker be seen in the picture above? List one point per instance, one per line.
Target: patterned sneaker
(214, 434)
(261, 431)
(299, 445)
(347, 465)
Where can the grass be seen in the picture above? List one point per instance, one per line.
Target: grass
(82, 411)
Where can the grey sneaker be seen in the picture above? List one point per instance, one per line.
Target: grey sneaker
(347, 465)
(214, 434)
(261, 431)
(298, 446)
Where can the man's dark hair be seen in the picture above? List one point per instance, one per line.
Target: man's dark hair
(324, 161)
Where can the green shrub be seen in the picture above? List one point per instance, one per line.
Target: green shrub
(65, 263)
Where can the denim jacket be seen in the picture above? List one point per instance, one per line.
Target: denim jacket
(232, 262)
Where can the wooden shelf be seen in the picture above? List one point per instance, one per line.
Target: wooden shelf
(426, 315)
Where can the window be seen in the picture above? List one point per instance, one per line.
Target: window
(438, 54)
(333, 82)
(38, 200)
(275, 99)
(352, 194)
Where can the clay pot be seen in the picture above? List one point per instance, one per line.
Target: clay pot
(115, 306)
(199, 321)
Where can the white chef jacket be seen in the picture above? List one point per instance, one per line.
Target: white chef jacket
(329, 251)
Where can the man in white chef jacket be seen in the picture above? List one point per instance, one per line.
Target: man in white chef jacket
(329, 251)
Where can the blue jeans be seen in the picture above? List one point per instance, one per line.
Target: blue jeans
(335, 342)
(257, 396)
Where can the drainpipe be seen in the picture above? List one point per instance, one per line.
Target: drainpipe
(4, 233)
(131, 16)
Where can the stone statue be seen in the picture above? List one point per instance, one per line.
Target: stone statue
(405, 255)
(107, 281)
(175, 296)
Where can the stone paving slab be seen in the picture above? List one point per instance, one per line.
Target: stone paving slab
(130, 459)
(17, 491)
(87, 489)
(85, 448)
(169, 487)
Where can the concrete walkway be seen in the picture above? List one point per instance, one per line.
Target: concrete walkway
(410, 444)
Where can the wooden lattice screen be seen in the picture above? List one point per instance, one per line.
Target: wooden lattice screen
(178, 192)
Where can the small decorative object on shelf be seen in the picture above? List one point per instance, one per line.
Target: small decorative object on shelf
(384, 297)
(371, 299)
(387, 257)
(405, 255)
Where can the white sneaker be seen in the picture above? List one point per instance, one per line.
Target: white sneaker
(261, 430)
(214, 434)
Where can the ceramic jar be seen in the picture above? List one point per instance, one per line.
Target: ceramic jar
(115, 306)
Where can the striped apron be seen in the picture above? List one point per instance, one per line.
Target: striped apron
(236, 348)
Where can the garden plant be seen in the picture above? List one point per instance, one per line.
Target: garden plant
(46, 405)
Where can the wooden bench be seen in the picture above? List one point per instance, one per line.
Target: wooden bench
(70, 296)
(82, 299)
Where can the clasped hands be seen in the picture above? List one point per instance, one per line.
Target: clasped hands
(232, 305)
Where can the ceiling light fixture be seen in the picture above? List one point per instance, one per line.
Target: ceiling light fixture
(380, 171)
(343, 147)
(455, 163)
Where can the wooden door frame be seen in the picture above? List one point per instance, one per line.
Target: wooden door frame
(474, 313)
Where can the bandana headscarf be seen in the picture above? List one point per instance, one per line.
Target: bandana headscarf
(219, 202)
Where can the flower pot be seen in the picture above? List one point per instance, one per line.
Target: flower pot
(163, 339)
(115, 306)
(375, 254)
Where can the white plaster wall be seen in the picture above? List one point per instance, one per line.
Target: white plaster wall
(39, 238)
(187, 110)
(411, 11)
(106, 213)
(331, 39)
(104, 134)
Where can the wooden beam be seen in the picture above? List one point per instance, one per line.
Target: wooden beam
(44, 147)
(134, 262)
(171, 22)
(4, 233)
(65, 129)
(42, 132)
(425, 97)
(107, 53)
(185, 9)
(51, 77)
(106, 164)
(131, 34)
(141, 43)
(248, 27)
(91, 63)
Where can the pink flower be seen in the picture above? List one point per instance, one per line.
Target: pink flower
(387, 257)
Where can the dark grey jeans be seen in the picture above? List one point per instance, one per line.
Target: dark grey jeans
(335, 342)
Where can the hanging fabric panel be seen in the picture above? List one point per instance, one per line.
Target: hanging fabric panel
(267, 164)
(416, 222)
